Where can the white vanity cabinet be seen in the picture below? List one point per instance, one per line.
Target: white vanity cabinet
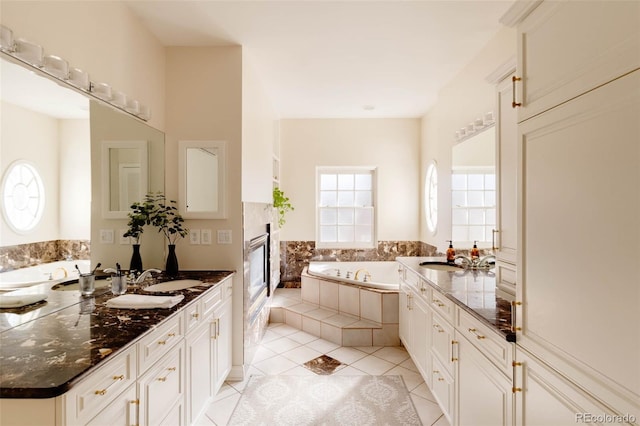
(208, 349)
(579, 170)
(566, 48)
(415, 323)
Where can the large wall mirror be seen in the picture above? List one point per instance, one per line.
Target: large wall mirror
(202, 179)
(61, 131)
(473, 189)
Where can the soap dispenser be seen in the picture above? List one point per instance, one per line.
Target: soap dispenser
(475, 253)
(451, 252)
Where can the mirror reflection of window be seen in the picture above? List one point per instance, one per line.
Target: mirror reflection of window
(125, 175)
(22, 196)
(202, 180)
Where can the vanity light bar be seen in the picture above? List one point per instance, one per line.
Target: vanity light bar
(56, 67)
(479, 124)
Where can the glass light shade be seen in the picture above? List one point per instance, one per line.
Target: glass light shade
(29, 52)
(119, 99)
(144, 112)
(133, 106)
(101, 90)
(79, 78)
(56, 66)
(6, 39)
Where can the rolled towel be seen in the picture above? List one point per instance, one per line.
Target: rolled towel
(18, 301)
(140, 301)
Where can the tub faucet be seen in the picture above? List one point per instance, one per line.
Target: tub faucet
(366, 274)
(143, 276)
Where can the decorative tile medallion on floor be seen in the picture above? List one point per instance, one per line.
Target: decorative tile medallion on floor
(325, 400)
(323, 365)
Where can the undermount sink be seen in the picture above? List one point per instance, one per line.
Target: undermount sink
(172, 286)
(441, 266)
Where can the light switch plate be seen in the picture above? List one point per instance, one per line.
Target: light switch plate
(194, 236)
(224, 236)
(205, 236)
(106, 236)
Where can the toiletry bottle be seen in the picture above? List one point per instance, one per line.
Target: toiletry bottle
(475, 253)
(451, 252)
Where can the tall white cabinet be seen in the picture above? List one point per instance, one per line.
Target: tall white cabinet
(577, 94)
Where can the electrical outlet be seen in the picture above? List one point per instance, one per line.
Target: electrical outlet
(205, 236)
(106, 236)
(194, 236)
(224, 236)
(123, 240)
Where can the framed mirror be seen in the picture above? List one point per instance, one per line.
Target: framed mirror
(473, 190)
(125, 175)
(202, 179)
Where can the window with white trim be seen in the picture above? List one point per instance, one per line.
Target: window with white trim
(345, 213)
(473, 206)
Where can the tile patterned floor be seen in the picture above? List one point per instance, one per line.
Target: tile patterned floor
(285, 349)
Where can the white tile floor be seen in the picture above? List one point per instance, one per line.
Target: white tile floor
(284, 349)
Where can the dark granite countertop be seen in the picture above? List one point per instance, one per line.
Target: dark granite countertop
(47, 347)
(474, 290)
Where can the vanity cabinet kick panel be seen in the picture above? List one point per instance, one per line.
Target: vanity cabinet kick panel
(101, 389)
(567, 48)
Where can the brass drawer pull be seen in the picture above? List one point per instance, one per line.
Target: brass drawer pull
(120, 377)
(171, 368)
(162, 342)
(515, 104)
(101, 392)
(437, 327)
(196, 315)
(171, 335)
(161, 379)
(439, 303)
(478, 336)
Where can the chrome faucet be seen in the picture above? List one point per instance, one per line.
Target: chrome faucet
(483, 263)
(143, 276)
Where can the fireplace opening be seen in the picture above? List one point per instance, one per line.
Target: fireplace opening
(259, 276)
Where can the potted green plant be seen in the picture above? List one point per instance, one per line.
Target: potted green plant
(281, 204)
(169, 221)
(138, 218)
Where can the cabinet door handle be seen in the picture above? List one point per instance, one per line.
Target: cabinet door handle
(493, 239)
(515, 104)
(514, 326)
(475, 332)
(454, 358)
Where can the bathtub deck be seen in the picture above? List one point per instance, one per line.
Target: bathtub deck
(288, 307)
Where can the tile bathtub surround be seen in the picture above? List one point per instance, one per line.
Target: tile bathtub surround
(31, 254)
(295, 255)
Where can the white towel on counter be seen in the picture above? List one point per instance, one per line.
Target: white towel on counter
(140, 301)
(18, 301)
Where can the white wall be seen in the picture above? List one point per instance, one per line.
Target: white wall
(259, 121)
(391, 145)
(31, 136)
(465, 98)
(103, 38)
(204, 85)
(75, 179)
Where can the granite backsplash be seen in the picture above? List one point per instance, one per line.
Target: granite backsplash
(31, 254)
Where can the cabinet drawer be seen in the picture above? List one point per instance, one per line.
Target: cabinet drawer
(506, 280)
(442, 341)
(409, 277)
(101, 388)
(442, 388)
(211, 299)
(441, 305)
(162, 386)
(492, 344)
(192, 316)
(155, 344)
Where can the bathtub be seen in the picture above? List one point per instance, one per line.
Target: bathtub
(379, 275)
(54, 272)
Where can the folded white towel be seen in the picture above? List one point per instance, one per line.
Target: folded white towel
(140, 301)
(18, 301)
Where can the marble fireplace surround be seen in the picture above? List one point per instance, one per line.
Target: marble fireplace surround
(295, 255)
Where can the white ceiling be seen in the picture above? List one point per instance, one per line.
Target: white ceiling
(337, 58)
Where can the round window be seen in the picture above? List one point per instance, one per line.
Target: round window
(22, 196)
(431, 197)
